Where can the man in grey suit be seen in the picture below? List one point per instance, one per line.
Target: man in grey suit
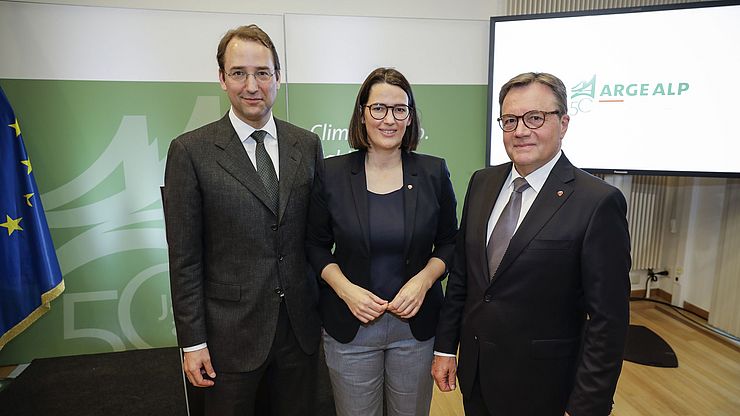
(236, 198)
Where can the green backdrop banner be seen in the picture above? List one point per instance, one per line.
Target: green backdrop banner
(98, 150)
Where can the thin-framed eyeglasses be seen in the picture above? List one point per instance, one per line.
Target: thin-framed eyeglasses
(261, 75)
(532, 119)
(400, 112)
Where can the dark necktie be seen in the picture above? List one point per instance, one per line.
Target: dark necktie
(505, 226)
(265, 169)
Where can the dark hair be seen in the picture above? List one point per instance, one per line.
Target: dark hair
(357, 134)
(522, 80)
(253, 33)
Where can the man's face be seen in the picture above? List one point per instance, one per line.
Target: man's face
(252, 99)
(530, 149)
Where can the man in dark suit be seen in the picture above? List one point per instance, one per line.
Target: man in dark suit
(236, 200)
(540, 316)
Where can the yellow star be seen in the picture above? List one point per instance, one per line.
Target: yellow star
(12, 224)
(27, 162)
(17, 128)
(28, 199)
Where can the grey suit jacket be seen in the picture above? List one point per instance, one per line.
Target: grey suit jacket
(547, 333)
(231, 256)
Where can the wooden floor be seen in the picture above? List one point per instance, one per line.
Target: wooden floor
(706, 382)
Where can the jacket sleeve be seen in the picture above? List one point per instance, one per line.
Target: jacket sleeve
(444, 241)
(319, 234)
(605, 265)
(450, 317)
(183, 219)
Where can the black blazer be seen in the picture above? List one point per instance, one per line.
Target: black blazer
(229, 251)
(548, 332)
(338, 216)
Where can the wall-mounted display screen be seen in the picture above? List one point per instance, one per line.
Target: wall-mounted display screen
(652, 90)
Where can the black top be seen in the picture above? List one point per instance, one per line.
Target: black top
(386, 243)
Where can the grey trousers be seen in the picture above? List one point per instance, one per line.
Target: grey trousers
(384, 362)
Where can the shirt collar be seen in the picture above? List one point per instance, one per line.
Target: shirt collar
(244, 130)
(536, 179)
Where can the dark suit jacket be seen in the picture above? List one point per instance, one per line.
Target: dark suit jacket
(339, 217)
(229, 253)
(526, 333)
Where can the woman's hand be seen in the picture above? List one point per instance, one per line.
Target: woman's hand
(409, 299)
(364, 305)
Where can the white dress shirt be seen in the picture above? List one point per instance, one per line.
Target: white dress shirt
(535, 180)
(244, 131)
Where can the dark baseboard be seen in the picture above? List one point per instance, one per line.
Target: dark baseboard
(658, 294)
(696, 323)
(697, 310)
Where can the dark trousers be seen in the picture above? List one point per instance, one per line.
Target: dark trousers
(473, 403)
(281, 386)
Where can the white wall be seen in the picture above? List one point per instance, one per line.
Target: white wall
(725, 308)
(701, 256)
(700, 218)
(444, 9)
(98, 43)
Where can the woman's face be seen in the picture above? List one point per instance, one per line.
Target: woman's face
(387, 133)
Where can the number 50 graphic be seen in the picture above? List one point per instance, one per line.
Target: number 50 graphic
(124, 312)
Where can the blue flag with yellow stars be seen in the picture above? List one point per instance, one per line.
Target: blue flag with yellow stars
(30, 277)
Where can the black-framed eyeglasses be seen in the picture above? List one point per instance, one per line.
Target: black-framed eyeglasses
(400, 112)
(532, 119)
(261, 75)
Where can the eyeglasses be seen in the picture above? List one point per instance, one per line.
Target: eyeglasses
(532, 119)
(400, 112)
(262, 75)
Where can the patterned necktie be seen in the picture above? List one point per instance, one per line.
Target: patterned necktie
(265, 169)
(505, 226)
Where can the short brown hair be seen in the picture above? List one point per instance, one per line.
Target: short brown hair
(522, 80)
(250, 32)
(357, 135)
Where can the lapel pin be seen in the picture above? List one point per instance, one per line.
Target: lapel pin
(410, 186)
(560, 193)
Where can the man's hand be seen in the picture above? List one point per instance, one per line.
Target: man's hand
(444, 371)
(196, 364)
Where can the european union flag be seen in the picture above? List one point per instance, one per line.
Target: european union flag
(30, 277)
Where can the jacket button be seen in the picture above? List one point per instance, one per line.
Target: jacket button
(281, 257)
(487, 298)
(274, 227)
(279, 291)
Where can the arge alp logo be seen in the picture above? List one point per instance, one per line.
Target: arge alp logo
(585, 93)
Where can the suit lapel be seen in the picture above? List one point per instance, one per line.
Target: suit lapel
(557, 189)
(234, 159)
(358, 183)
(410, 193)
(491, 187)
(290, 159)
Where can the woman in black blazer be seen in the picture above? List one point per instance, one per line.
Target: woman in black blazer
(381, 232)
